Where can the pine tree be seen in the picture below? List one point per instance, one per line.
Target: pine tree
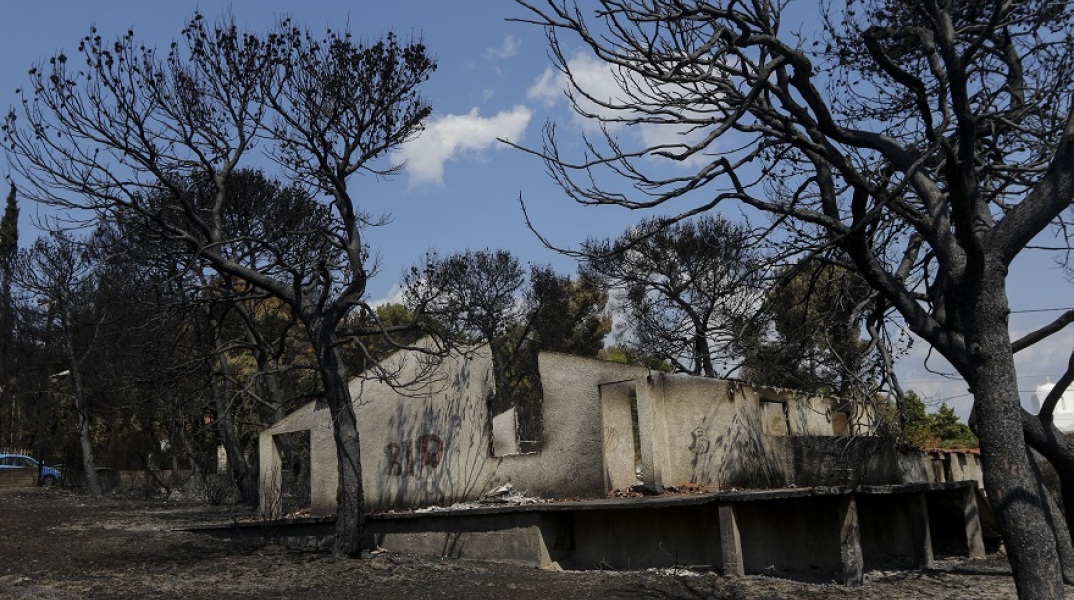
(9, 246)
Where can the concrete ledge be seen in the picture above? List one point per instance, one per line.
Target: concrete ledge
(513, 538)
(18, 477)
(831, 532)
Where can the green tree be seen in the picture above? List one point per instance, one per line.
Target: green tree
(688, 289)
(952, 432)
(630, 356)
(372, 337)
(9, 246)
(808, 335)
(569, 312)
(941, 429)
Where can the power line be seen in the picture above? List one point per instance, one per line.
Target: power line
(956, 379)
(1039, 310)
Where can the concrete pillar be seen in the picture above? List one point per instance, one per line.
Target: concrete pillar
(730, 542)
(618, 436)
(652, 433)
(850, 541)
(324, 469)
(269, 478)
(918, 510)
(972, 518)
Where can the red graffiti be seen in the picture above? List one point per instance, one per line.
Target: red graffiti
(394, 466)
(429, 451)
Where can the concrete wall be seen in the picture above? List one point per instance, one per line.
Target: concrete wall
(799, 535)
(730, 434)
(25, 477)
(642, 538)
(421, 444)
(430, 443)
(512, 538)
(939, 466)
(893, 530)
(571, 461)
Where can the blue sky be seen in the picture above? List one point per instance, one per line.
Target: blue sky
(460, 188)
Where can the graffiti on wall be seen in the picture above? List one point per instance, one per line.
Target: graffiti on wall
(700, 444)
(408, 456)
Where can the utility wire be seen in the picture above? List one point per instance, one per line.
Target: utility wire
(1039, 310)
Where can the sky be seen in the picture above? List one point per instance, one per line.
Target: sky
(460, 188)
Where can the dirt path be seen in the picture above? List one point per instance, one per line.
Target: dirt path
(58, 544)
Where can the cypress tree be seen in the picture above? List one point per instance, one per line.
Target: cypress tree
(9, 247)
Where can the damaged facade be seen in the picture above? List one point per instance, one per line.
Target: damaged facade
(609, 426)
(433, 443)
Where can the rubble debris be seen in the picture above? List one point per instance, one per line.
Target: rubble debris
(635, 491)
(505, 495)
(640, 491)
(627, 493)
(691, 488)
(500, 492)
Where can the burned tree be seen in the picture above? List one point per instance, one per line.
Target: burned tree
(59, 274)
(122, 128)
(928, 142)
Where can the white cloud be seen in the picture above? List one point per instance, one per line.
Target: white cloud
(448, 137)
(392, 296)
(604, 83)
(548, 89)
(506, 50)
(598, 79)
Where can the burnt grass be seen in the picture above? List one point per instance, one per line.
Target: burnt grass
(62, 544)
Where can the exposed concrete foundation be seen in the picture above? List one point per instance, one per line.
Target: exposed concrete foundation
(514, 537)
(838, 533)
(731, 558)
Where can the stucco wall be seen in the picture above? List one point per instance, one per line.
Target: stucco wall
(715, 433)
(571, 461)
(429, 443)
(940, 466)
(425, 443)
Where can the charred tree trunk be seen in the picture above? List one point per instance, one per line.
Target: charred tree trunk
(1057, 521)
(1011, 484)
(85, 428)
(219, 377)
(702, 355)
(350, 495)
(1058, 450)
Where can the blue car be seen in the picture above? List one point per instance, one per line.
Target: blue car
(46, 475)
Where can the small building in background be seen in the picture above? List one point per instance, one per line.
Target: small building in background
(1063, 416)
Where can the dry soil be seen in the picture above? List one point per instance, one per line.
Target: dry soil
(61, 544)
